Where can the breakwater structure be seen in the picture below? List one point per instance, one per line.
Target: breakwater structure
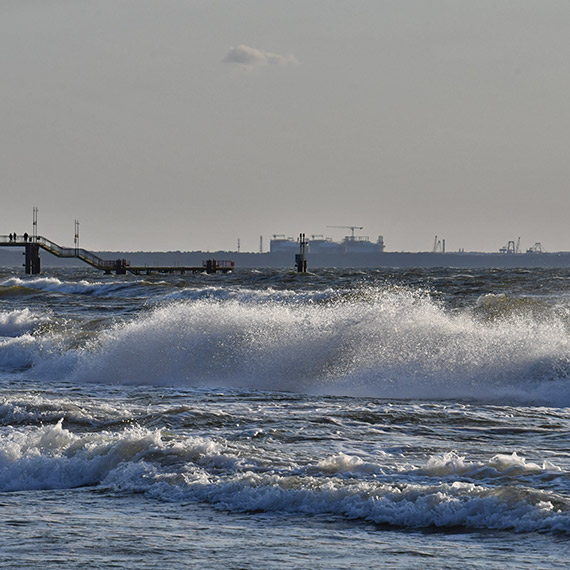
(32, 264)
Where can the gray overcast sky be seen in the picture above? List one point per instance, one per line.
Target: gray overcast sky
(181, 124)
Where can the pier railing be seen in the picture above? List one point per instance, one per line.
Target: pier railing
(33, 244)
(80, 253)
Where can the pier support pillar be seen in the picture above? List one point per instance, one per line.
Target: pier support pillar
(300, 259)
(32, 265)
(120, 267)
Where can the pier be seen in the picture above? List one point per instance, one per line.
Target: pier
(33, 244)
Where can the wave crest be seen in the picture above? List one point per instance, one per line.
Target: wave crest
(394, 343)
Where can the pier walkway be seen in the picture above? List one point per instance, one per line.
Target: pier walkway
(33, 244)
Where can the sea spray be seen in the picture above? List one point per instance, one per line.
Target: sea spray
(382, 343)
(20, 321)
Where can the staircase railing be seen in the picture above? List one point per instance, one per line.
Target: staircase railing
(80, 253)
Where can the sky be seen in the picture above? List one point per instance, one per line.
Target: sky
(192, 124)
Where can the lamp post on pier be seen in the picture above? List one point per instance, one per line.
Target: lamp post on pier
(35, 225)
(76, 238)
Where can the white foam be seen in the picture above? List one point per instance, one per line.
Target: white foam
(18, 353)
(500, 465)
(344, 490)
(139, 460)
(343, 463)
(19, 321)
(390, 343)
(52, 457)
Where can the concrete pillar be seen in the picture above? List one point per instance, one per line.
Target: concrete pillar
(32, 253)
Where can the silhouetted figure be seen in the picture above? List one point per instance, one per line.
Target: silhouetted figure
(26, 236)
(15, 237)
(10, 237)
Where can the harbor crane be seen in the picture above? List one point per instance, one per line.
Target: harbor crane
(351, 228)
(511, 248)
(536, 248)
(438, 246)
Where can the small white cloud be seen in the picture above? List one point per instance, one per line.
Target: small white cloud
(250, 57)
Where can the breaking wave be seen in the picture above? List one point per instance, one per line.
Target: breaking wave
(199, 469)
(392, 342)
(55, 285)
(17, 322)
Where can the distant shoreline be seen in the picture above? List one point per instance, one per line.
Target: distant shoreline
(321, 260)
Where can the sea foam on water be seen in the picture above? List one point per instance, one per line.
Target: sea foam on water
(229, 477)
(397, 344)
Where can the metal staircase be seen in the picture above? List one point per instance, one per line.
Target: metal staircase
(78, 253)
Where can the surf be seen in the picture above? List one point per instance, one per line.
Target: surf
(378, 342)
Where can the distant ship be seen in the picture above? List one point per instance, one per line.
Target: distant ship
(318, 244)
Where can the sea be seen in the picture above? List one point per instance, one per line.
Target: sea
(264, 419)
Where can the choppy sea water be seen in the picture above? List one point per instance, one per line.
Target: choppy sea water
(264, 419)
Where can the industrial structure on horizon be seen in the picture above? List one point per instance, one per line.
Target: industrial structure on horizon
(318, 244)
